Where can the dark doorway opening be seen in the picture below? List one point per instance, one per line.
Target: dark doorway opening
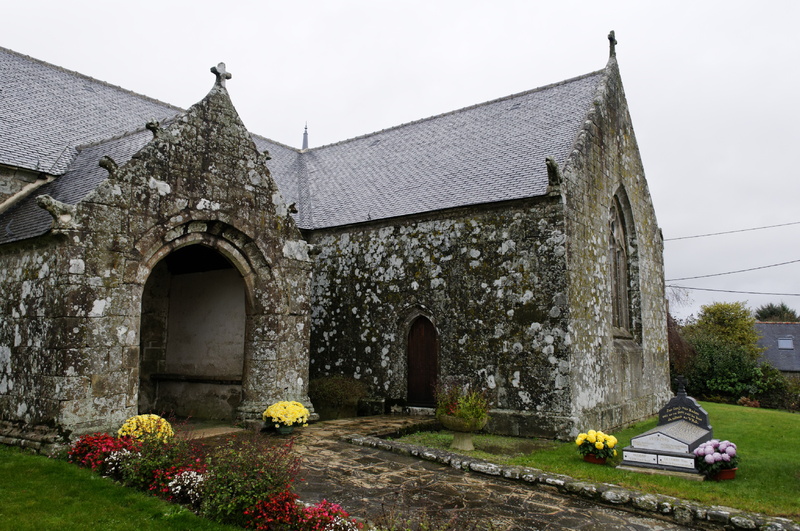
(423, 363)
(192, 336)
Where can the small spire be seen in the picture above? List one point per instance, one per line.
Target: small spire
(221, 74)
(305, 137)
(612, 44)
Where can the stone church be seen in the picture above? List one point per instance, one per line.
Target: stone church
(157, 259)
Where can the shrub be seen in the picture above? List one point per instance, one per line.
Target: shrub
(775, 388)
(747, 402)
(336, 390)
(723, 369)
(145, 468)
(243, 472)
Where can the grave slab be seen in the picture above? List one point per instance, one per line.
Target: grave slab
(682, 426)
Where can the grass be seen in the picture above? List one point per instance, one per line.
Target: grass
(41, 493)
(768, 479)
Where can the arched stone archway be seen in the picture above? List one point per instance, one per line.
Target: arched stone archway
(193, 329)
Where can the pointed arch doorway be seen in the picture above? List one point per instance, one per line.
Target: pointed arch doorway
(192, 335)
(423, 363)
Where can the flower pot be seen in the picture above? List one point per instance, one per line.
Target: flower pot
(591, 458)
(725, 473)
(462, 430)
(462, 425)
(285, 430)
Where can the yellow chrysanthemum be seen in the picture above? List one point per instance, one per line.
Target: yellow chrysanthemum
(591, 433)
(591, 438)
(612, 442)
(144, 426)
(286, 414)
(599, 445)
(581, 439)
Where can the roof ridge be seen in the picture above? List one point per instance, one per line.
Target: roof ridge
(262, 137)
(462, 109)
(90, 78)
(124, 134)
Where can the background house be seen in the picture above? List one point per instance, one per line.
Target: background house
(781, 350)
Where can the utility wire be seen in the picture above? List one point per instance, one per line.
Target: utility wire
(733, 291)
(731, 231)
(732, 272)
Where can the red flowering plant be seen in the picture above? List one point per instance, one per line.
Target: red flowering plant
(93, 450)
(282, 512)
(327, 516)
(279, 512)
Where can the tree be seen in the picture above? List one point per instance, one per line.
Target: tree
(725, 323)
(776, 313)
(725, 342)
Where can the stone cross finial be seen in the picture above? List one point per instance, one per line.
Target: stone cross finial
(681, 381)
(221, 74)
(612, 44)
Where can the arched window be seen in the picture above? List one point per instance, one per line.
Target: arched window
(618, 254)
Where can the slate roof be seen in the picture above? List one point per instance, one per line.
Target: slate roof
(486, 153)
(47, 111)
(786, 360)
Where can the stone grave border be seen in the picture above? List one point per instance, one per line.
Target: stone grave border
(658, 506)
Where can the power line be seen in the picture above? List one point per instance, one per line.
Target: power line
(733, 291)
(731, 231)
(732, 272)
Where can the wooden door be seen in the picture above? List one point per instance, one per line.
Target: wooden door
(423, 363)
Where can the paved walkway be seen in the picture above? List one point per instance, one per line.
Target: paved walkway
(367, 481)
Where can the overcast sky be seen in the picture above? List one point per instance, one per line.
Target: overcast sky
(712, 89)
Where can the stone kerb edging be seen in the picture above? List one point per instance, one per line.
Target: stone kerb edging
(681, 512)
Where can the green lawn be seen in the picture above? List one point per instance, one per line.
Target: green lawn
(768, 479)
(40, 493)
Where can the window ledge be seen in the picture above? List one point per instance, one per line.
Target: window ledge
(621, 333)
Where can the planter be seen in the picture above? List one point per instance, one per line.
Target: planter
(591, 458)
(462, 430)
(462, 425)
(284, 430)
(724, 474)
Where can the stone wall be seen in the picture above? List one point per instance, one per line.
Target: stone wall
(618, 377)
(72, 300)
(491, 279)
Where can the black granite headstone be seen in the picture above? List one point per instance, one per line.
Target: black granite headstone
(682, 426)
(683, 407)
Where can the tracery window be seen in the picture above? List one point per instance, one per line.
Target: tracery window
(618, 251)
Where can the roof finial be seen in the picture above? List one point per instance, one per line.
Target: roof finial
(221, 74)
(305, 137)
(612, 44)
